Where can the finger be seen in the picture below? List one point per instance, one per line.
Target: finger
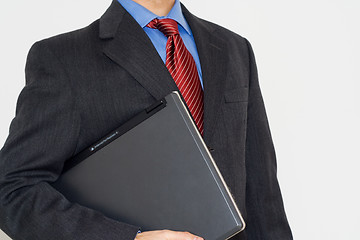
(187, 236)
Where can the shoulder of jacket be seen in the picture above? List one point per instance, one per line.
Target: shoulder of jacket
(222, 31)
(75, 37)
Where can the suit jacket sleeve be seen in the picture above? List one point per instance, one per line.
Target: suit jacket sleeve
(266, 217)
(42, 136)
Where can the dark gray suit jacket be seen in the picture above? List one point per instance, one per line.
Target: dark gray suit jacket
(83, 84)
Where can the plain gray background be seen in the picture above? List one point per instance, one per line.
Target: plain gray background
(308, 58)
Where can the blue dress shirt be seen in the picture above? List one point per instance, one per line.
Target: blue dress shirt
(143, 16)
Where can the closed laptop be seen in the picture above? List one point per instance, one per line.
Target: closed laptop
(155, 172)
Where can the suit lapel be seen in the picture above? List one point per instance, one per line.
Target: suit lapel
(213, 61)
(128, 45)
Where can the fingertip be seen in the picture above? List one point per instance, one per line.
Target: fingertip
(198, 238)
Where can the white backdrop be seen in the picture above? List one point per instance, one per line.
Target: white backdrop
(308, 57)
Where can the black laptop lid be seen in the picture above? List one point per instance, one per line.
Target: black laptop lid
(155, 172)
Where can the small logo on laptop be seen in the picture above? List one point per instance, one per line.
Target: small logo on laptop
(102, 142)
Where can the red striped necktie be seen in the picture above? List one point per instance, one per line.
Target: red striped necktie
(182, 68)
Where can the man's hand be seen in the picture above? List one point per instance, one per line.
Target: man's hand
(166, 235)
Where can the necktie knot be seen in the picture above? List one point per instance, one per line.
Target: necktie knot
(167, 26)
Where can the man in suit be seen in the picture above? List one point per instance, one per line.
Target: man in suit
(83, 84)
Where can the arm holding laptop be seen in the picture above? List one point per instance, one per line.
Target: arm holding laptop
(33, 157)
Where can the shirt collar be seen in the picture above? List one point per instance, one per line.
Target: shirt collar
(143, 16)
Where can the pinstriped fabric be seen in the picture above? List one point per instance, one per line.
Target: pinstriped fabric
(182, 68)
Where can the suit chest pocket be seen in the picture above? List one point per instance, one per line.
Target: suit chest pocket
(235, 107)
